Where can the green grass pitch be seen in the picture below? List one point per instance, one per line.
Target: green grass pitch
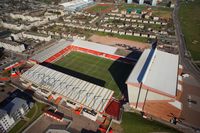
(114, 73)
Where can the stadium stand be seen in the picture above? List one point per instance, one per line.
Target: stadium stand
(70, 88)
(63, 47)
(51, 51)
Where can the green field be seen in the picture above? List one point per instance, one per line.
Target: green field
(190, 24)
(134, 123)
(113, 73)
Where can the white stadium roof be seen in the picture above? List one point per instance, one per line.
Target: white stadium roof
(77, 90)
(47, 53)
(95, 46)
(157, 70)
(75, 4)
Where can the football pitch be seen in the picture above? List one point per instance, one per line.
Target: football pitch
(113, 73)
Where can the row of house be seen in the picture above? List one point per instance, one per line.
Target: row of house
(65, 35)
(11, 45)
(22, 26)
(134, 12)
(116, 31)
(134, 25)
(127, 19)
(37, 15)
(31, 35)
(90, 18)
(36, 36)
(125, 15)
(28, 20)
(85, 14)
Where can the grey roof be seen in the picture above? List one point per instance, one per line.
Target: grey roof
(49, 52)
(36, 34)
(80, 91)
(95, 46)
(14, 105)
(156, 69)
(2, 113)
(10, 42)
(75, 4)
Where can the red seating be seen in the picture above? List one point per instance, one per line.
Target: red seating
(113, 109)
(88, 51)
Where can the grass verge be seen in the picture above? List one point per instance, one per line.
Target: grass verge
(134, 123)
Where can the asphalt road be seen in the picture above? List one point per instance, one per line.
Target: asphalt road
(185, 61)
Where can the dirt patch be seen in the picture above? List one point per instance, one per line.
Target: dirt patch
(113, 40)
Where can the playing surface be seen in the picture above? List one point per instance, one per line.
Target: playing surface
(113, 73)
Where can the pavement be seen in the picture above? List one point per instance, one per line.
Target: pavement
(190, 110)
(190, 113)
(188, 66)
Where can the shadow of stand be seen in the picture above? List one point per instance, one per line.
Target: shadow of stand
(75, 74)
(120, 71)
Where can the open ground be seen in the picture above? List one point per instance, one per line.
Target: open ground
(190, 24)
(134, 123)
(114, 40)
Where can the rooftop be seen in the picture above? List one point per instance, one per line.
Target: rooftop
(85, 93)
(75, 4)
(156, 69)
(36, 34)
(49, 52)
(10, 42)
(95, 46)
(14, 105)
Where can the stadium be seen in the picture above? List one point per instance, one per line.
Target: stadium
(81, 74)
(91, 78)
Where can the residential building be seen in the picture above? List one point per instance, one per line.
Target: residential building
(37, 36)
(5, 121)
(12, 112)
(11, 45)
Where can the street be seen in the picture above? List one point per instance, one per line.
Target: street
(186, 62)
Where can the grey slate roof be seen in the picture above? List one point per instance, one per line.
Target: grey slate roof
(15, 104)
